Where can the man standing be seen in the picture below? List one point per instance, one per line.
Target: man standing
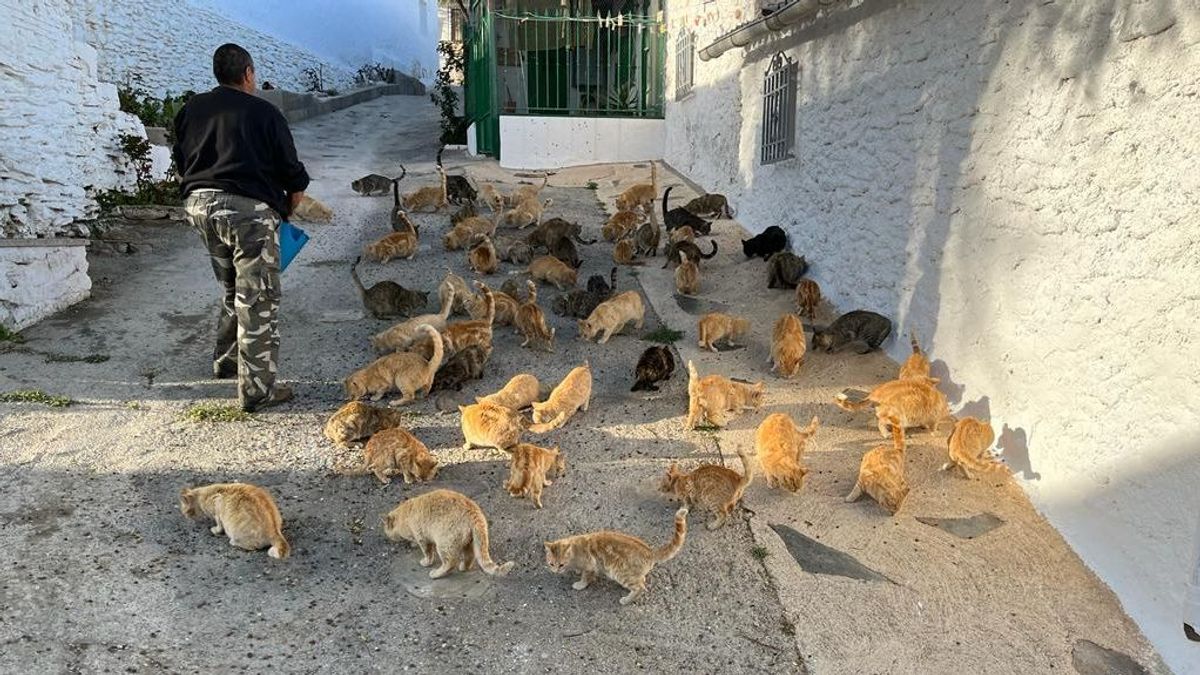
(240, 176)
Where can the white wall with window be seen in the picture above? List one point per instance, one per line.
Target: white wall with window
(1025, 200)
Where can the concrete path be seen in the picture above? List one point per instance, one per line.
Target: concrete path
(99, 570)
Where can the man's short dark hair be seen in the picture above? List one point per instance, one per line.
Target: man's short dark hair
(230, 63)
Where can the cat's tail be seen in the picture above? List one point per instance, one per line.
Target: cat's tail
(447, 305)
(812, 426)
(912, 339)
(545, 181)
(545, 427)
(435, 359)
(532, 291)
(280, 548)
(693, 380)
(479, 542)
(672, 548)
(845, 403)
(396, 192)
(747, 470)
(711, 253)
(664, 202)
(362, 292)
(612, 281)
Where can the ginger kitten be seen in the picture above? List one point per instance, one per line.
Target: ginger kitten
(572, 394)
(916, 403)
(620, 224)
(400, 336)
(687, 276)
(392, 245)
(968, 447)
(621, 557)
(487, 425)
(504, 308)
(881, 473)
(612, 315)
(405, 372)
(641, 195)
(551, 270)
(482, 257)
(245, 513)
(788, 346)
(531, 322)
(528, 470)
(715, 326)
(356, 421)
(714, 398)
(527, 212)
(492, 197)
(711, 487)
(779, 444)
(808, 296)
(449, 524)
(519, 393)
(917, 364)
(476, 332)
(396, 451)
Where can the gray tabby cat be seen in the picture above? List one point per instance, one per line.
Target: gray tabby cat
(860, 329)
(785, 269)
(387, 299)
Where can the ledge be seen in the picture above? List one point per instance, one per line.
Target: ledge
(48, 242)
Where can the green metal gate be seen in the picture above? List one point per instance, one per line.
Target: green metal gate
(479, 94)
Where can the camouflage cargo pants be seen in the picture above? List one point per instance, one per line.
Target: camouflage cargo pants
(241, 235)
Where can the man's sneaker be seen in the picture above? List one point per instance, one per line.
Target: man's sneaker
(224, 370)
(280, 394)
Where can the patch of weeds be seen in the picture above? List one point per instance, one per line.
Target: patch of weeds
(56, 357)
(216, 412)
(592, 185)
(759, 553)
(12, 336)
(707, 428)
(664, 335)
(35, 396)
(133, 405)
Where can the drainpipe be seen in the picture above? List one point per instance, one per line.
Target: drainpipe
(747, 33)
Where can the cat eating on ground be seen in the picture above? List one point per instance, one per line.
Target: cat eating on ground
(573, 394)
(531, 322)
(968, 448)
(581, 302)
(715, 326)
(714, 398)
(551, 270)
(387, 299)
(710, 487)
(641, 195)
(780, 444)
(712, 205)
(681, 217)
(689, 249)
(860, 329)
(396, 451)
(612, 315)
(519, 393)
(245, 513)
(446, 523)
(487, 425)
(787, 346)
(529, 468)
(687, 276)
(400, 336)
(465, 365)
(357, 421)
(405, 372)
(654, 365)
(784, 269)
(765, 244)
(808, 297)
(881, 473)
(915, 402)
(482, 257)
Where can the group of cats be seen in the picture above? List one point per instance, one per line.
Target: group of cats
(427, 352)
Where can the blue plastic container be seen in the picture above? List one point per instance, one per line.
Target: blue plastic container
(291, 240)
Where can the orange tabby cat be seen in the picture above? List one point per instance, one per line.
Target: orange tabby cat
(968, 447)
(687, 276)
(612, 315)
(572, 394)
(431, 196)
(551, 270)
(713, 398)
(449, 524)
(640, 196)
(917, 364)
(504, 312)
(482, 256)
(916, 403)
(808, 296)
(520, 393)
(780, 445)
(492, 197)
(487, 425)
(527, 212)
(393, 245)
(244, 512)
(357, 420)
(715, 326)
(881, 473)
(478, 332)
(711, 487)
(461, 234)
(455, 288)
(528, 469)
(405, 372)
(312, 210)
(620, 224)
(531, 322)
(400, 336)
(624, 252)
(396, 451)
(788, 346)
(526, 192)
(621, 557)
(685, 233)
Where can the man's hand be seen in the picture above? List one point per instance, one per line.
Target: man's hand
(294, 201)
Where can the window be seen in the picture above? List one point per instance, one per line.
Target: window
(779, 109)
(685, 54)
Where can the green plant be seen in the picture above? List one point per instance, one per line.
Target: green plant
(146, 190)
(152, 111)
(35, 396)
(7, 335)
(374, 72)
(623, 99)
(313, 79)
(331, 92)
(216, 412)
(759, 553)
(664, 335)
(454, 127)
(591, 185)
(58, 357)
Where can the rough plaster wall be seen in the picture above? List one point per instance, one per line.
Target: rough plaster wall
(36, 281)
(1016, 182)
(169, 44)
(60, 125)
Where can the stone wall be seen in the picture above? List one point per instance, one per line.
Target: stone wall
(170, 43)
(40, 277)
(60, 126)
(1014, 182)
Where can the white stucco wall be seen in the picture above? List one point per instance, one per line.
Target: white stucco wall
(40, 277)
(1016, 182)
(549, 142)
(170, 43)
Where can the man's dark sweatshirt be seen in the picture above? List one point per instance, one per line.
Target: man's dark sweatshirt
(237, 142)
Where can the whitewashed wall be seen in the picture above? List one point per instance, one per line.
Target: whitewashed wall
(1016, 182)
(531, 142)
(170, 44)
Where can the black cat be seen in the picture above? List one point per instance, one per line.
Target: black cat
(770, 241)
(680, 216)
(865, 330)
(655, 365)
(458, 189)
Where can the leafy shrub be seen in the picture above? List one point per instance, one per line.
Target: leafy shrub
(147, 190)
(454, 127)
(152, 111)
(313, 79)
(34, 396)
(374, 72)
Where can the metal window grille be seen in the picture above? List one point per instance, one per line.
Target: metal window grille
(685, 55)
(779, 109)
